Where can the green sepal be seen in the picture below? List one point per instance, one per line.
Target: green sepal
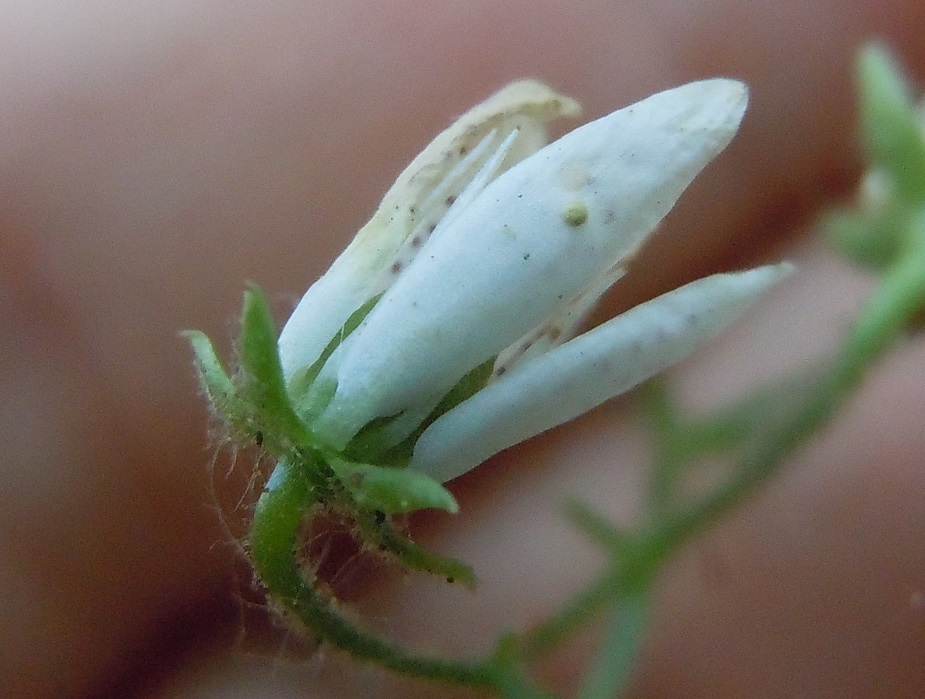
(890, 127)
(215, 380)
(392, 490)
(217, 384)
(308, 397)
(261, 382)
(379, 533)
(372, 442)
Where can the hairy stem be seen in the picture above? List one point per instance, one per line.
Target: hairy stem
(274, 543)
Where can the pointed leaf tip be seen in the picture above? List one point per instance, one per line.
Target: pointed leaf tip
(890, 127)
(393, 490)
(215, 381)
(262, 382)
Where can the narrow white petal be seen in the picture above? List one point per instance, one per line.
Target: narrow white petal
(417, 244)
(558, 327)
(410, 210)
(533, 240)
(583, 373)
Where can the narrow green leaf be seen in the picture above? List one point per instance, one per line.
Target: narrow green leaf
(381, 534)
(510, 671)
(598, 528)
(262, 378)
(215, 380)
(890, 126)
(393, 490)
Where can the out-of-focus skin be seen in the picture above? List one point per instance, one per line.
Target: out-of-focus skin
(156, 156)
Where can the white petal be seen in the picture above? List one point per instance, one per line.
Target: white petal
(410, 210)
(583, 373)
(558, 327)
(533, 240)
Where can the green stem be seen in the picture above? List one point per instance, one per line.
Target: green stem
(579, 609)
(612, 672)
(888, 313)
(634, 571)
(899, 298)
(274, 543)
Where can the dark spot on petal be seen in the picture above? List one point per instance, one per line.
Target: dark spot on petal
(396, 267)
(416, 241)
(450, 200)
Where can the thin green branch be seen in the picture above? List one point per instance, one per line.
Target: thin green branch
(274, 541)
(892, 308)
(578, 610)
(612, 671)
(599, 529)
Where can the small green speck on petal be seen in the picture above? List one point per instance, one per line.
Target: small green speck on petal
(576, 213)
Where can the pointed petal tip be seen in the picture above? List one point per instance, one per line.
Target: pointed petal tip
(530, 91)
(714, 105)
(721, 100)
(734, 90)
(687, 126)
(731, 293)
(767, 276)
(727, 92)
(782, 270)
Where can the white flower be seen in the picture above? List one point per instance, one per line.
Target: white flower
(481, 269)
